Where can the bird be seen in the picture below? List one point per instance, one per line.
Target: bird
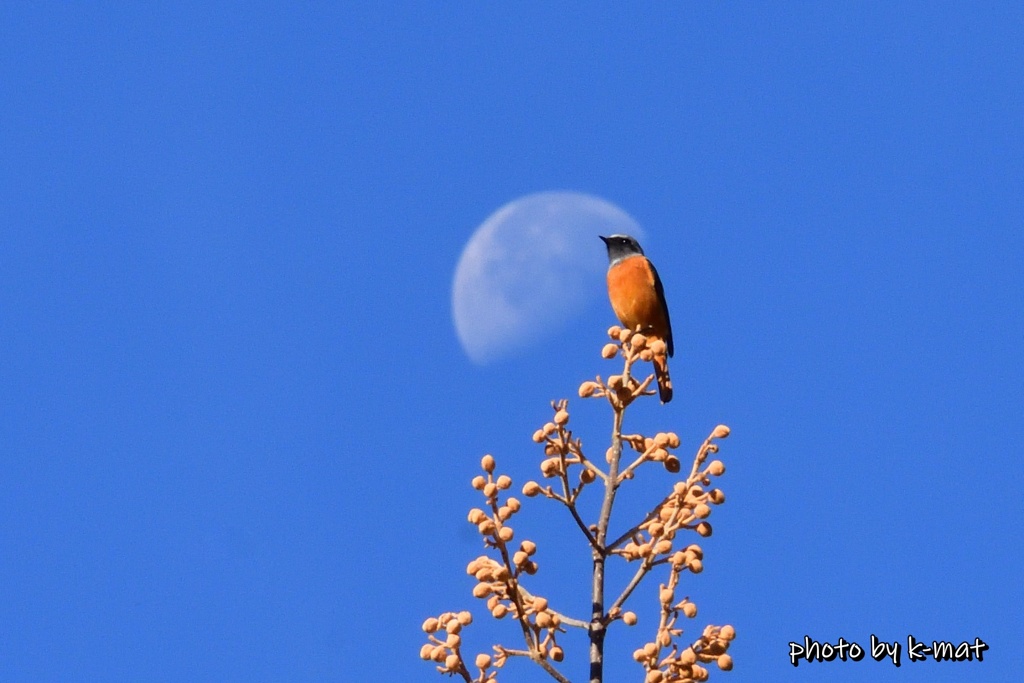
(638, 299)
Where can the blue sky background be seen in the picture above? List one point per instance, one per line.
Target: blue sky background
(236, 426)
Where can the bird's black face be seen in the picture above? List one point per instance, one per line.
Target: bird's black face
(621, 246)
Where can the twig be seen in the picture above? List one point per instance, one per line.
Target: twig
(641, 572)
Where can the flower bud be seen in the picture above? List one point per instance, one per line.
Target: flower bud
(561, 417)
(721, 431)
(487, 463)
(716, 468)
(629, 619)
(431, 625)
(609, 351)
(724, 662)
(483, 661)
(531, 489)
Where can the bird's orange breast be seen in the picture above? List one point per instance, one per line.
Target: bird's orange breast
(634, 297)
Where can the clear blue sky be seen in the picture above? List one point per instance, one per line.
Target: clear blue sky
(236, 425)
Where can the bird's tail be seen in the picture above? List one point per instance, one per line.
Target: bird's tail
(661, 376)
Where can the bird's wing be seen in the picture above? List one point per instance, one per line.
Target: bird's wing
(664, 308)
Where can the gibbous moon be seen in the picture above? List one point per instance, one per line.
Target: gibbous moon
(530, 268)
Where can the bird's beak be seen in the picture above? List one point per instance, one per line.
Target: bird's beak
(603, 239)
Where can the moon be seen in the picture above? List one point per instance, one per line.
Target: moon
(530, 269)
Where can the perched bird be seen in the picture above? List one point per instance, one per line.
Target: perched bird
(638, 299)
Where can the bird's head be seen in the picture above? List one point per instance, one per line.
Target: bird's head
(620, 247)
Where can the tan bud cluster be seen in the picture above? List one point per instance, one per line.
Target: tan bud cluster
(688, 663)
(563, 452)
(443, 645)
